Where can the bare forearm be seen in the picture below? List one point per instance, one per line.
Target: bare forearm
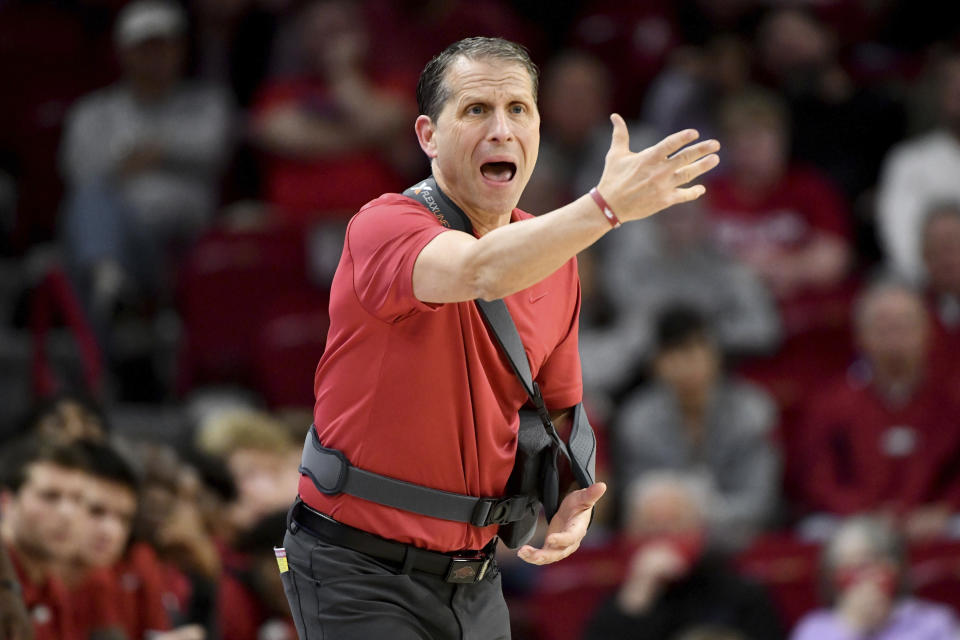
(516, 256)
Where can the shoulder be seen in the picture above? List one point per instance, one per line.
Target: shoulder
(392, 208)
(97, 101)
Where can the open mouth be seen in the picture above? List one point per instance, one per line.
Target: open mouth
(498, 171)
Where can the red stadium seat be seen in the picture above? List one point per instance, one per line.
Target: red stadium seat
(569, 591)
(229, 285)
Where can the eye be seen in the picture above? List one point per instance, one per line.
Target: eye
(475, 109)
(518, 108)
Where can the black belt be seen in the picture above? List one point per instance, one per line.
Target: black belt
(464, 567)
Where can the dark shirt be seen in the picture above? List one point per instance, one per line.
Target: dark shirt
(712, 594)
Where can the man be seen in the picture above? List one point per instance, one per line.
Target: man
(40, 499)
(412, 385)
(919, 173)
(14, 619)
(885, 436)
(676, 582)
(941, 259)
(866, 588)
(141, 159)
(694, 419)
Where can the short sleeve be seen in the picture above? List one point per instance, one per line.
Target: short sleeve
(384, 241)
(560, 377)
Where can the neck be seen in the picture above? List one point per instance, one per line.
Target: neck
(147, 93)
(483, 222)
(897, 386)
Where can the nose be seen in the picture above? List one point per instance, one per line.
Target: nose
(500, 127)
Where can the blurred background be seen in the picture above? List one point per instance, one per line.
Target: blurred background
(771, 370)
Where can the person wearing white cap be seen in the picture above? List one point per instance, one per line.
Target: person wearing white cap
(141, 160)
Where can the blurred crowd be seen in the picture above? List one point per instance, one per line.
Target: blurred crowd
(769, 369)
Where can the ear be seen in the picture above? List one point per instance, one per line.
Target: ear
(425, 135)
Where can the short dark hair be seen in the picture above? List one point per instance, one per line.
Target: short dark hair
(106, 463)
(19, 456)
(678, 326)
(432, 91)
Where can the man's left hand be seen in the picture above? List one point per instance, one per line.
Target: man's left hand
(567, 528)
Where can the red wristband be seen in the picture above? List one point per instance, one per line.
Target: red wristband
(605, 208)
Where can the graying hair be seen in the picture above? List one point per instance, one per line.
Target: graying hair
(432, 89)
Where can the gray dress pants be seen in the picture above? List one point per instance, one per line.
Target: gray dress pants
(336, 593)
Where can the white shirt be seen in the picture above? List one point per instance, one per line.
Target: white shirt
(917, 175)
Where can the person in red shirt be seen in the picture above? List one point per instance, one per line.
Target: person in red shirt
(886, 436)
(40, 501)
(412, 385)
(328, 133)
(787, 222)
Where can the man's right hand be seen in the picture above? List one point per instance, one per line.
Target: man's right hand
(14, 619)
(637, 185)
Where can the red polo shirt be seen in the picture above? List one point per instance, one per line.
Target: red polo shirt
(48, 603)
(861, 453)
(421, 392)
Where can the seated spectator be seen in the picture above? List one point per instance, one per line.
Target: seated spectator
(867, 596)
(14, 618)
(67, 418)
(330, 133)
(696, 420)
(262, 458)
(787, 223)
(886, 436)
(107, 566)
(941, 259)
(919, 173)
(664, 261)
(171, 520)
(41, 495)
(676, 581)
(141, 160)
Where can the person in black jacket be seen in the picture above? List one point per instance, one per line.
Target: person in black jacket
(676, 581)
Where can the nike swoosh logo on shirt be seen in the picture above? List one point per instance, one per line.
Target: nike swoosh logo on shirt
(534, 298)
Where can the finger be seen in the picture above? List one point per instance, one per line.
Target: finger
(688, 194)
(694, 152)
(542, 556)
(674, 142)
(697, 169)
(620, 140)
(584, 499)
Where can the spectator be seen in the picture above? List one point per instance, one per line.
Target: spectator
(919, 173)
(141, 159)
(329, 133)
(109, 567)
(171, 520)
(262, 458)
(941, 258)
(863, 578)
(665, 261)
(787, 223)
(67, 418)
(40, 499)
(675, 581)
(695, 420)
(886, 436)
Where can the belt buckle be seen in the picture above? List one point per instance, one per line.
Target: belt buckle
(467, 570)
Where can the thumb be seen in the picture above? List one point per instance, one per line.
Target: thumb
(621, 137)
(584, 499)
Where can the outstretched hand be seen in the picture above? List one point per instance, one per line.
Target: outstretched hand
(567, 528)
(637, 185)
